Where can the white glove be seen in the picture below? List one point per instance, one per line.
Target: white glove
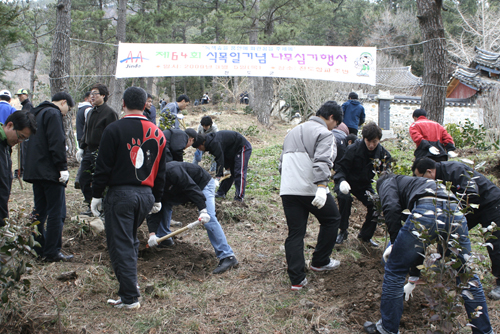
(408, 290)
(153, 240)
(433, 150)
(452, 154)
(344, 187)
(204, 216)
(79, 155)
(216, 183)
(96, 206)
(156, 208)
(387, 253)
(320, 198)
(64, 176)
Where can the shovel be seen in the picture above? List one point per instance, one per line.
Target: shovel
(179, 231)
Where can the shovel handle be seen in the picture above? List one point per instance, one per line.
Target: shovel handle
(179, 231)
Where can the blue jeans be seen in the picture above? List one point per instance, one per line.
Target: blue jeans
(197, 159)
(406, 251)
(214, 230)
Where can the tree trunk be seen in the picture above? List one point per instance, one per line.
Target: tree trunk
(236, 89)
(149, 84)
(60, 65)
(253, 38)
(172, 89)
(33, 68)
(119, 84)
(434, 76)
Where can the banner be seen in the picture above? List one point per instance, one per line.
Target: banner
(333, 63)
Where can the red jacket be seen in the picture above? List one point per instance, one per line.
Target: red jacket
(424, 129)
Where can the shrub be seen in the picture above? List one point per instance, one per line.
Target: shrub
(17, 241)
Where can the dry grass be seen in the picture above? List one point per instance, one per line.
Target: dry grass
(255, 298)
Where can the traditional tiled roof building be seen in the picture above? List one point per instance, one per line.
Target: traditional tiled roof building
(483, 74)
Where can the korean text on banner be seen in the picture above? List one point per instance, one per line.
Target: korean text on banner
(333, 63)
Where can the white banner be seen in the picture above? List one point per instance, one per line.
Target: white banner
(333, 63)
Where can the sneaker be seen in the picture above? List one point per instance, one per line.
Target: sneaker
(495, 293)
(370, 327)
(300, 285)
(342, 236)
(332, 265)
(119, 304)
(217, 195)
(225, 264)
(166, 243)
(370, 242)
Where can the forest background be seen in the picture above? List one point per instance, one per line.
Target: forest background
(29, 29)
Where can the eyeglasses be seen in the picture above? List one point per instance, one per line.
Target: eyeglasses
(94, 93)
(21, 137)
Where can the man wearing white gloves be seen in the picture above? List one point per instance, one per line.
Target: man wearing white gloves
(186, 182)
(354, 174)
(307, 157)
(436, 211)
(131, 162)
(47, 169)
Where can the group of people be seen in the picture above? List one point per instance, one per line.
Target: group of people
(310, 153)
(130, 171)
(145, 175)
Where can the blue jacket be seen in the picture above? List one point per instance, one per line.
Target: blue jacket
(354, 113)
(5, 110)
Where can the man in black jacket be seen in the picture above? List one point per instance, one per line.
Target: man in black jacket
(473, 188)
(429, 203)
(177, 141)
(131, 162)
(186, 182)
(47, 170)
(98, 118)
(354, 174)
(231, 151)
(18, 127)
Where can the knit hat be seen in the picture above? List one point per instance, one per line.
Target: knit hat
(353, 96)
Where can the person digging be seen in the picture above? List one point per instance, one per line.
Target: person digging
(187, 182)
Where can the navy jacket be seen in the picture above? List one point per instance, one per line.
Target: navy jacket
(46, 150)
(400, 192)
(354, 113)
(478, 189)
(184, 183)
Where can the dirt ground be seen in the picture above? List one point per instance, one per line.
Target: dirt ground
(181, 295)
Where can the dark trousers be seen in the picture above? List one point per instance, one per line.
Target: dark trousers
(238, 174)
(87, 169)
(125, 208)
(345, 204)
(484, 216)
(353, 131)
(297, 209)
(50, 210)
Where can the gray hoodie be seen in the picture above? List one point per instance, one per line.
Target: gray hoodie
(308, 154)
